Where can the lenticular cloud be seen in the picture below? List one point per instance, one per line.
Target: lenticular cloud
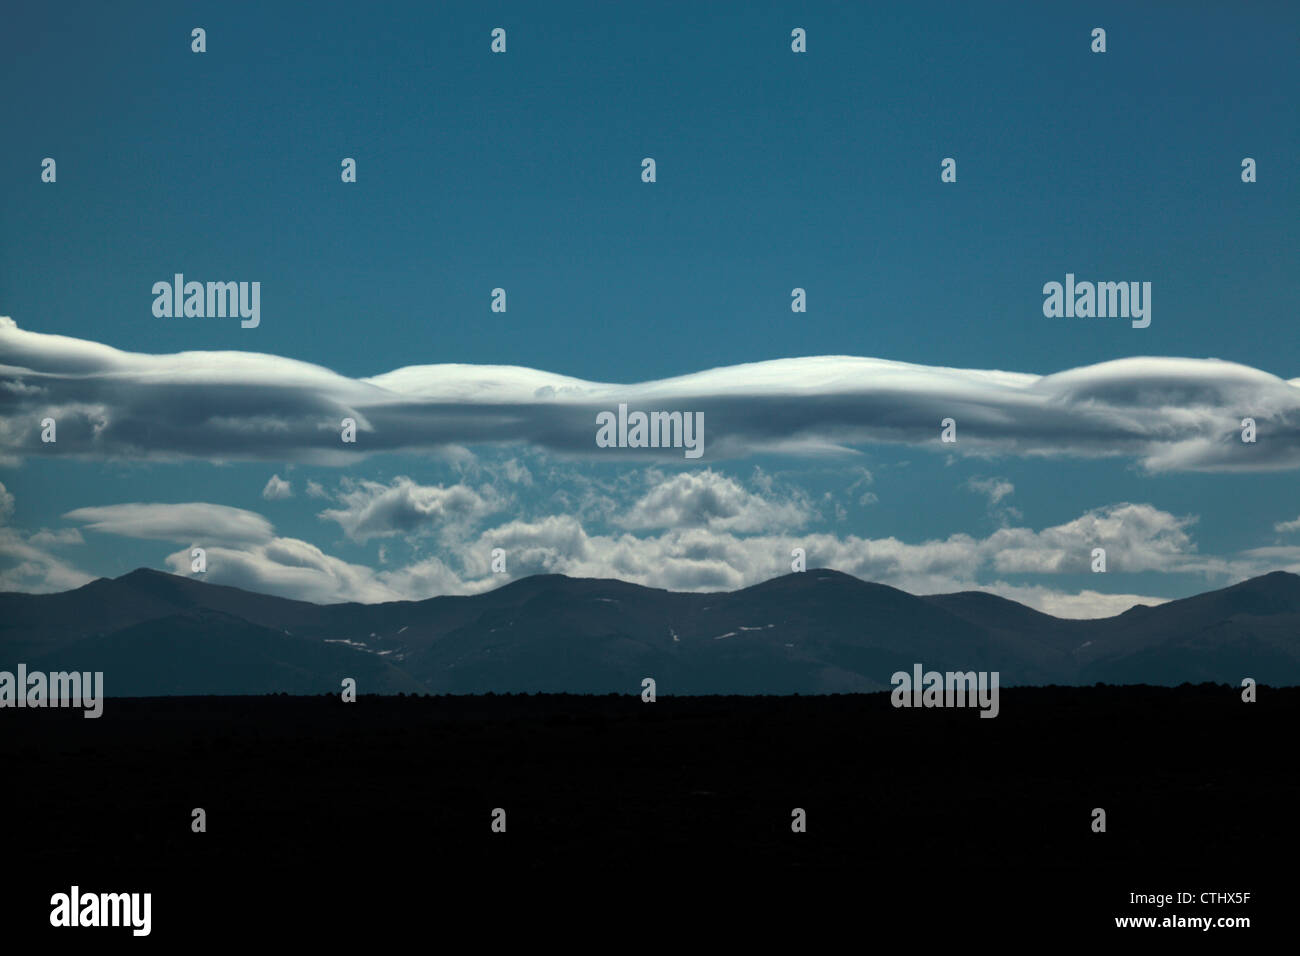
(1167, 413)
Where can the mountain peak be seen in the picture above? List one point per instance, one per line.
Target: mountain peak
(144, 574)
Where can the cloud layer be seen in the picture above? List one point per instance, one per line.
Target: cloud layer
(706, 532)
(1167, 413)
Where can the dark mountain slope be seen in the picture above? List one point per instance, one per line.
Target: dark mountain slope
(207, 652)
(818, 631)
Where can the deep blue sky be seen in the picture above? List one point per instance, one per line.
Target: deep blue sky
(775, 170)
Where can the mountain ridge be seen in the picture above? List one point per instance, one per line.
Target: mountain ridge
(816, 631)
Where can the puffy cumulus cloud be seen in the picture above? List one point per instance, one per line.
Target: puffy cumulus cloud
(1136, 538)
(556, 544)
(1283, 527)
(190, 522)
(371, 509)
(689, 560)
(277, 489)
(704, 543)
(712, 500)
(26, 561)
(1169, 413)
(699, 558)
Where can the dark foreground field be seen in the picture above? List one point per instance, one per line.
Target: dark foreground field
(329, 820)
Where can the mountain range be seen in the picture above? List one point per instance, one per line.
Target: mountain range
(819, 631)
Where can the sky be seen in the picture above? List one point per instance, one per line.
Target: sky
(774, 170)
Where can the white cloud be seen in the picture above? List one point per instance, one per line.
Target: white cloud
(995, 489)
(712, 500)
(277, 489)
(191, 522)
(695, 531)
(374, 510)
(30, 568)
(865, 477)
(1283, 527)
(516, 472)
(700, 559)
(46, 538)
(1084, 604)
(1137, 537)
(290, 568)
(1169, 413)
